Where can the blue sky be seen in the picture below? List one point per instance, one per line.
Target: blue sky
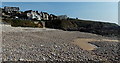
(103, 11)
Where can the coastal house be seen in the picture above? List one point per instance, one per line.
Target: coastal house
(34, 15)
(62, 17)
(0, 12)
(52, 17)
(23, 16)
(10, 12)
(44, 15)
(11, 9)
(14, 13)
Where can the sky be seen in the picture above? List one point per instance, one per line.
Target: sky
(60, 0)
(98, 11)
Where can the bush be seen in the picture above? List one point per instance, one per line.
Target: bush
(21, 23)
(101, 28)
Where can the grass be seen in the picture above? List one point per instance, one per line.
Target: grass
(101, 28)
(21, 23)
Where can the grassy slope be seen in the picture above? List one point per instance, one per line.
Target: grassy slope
(20, 23)
(101, 28)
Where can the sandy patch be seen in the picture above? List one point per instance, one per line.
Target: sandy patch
(83, 43)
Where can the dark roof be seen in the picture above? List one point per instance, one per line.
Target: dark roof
(45, 12)
(28, 11)
(11, 7)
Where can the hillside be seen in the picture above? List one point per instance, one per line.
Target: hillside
(101, 28)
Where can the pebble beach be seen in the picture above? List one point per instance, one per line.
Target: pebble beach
(44, 44)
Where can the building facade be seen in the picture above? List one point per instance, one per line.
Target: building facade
(44, 15)
(62, 17)
(13, 12)
(52, 17)
(33, 15)
(11, 9)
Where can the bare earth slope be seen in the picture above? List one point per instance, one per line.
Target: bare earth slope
(29, 44)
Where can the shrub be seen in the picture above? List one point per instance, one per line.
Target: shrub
(21, 23)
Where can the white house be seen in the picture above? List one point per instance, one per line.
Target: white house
(52, 17)
(11, 9)
(62, 17)
(33, 15)
(44, 15)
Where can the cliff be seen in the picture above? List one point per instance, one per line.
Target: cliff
(101, 28)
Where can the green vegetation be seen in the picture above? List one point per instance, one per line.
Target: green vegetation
(21, 23)
(101, 28)
(60, 24)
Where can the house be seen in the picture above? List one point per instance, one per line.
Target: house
(52, 17)
(62, 17)
(0, 12)
(14, 13)
(23, 16)
(34, 15)
(11, 9)
(44, 15)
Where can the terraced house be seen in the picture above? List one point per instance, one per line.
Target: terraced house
(11, 9)
(33, 15)
(13, 12)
